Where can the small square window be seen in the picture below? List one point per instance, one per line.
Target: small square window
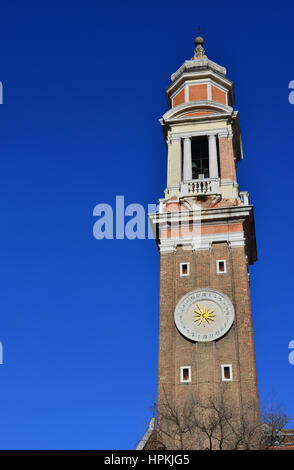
(185, 269)
(221, 266)
(185, 374)
(227, 375)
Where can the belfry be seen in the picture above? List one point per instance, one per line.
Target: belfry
(206, 237)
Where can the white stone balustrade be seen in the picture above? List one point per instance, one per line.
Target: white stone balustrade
(199, 187)
(244, 196)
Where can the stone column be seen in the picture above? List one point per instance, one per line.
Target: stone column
(213, 165)
(174, 166)
(187, 160)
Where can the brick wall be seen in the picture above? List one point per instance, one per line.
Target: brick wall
(226, 156)
(205, 359)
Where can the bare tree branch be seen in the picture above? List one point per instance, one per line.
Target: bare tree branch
(216, 424)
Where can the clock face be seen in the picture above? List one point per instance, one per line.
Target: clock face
(204, 315)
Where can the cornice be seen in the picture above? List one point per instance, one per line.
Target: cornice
(173, 113)
(210, 216)
(203, 242)
(203, 214)
(220, 131)
(199, 64)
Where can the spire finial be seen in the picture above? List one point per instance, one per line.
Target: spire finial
(199, 52)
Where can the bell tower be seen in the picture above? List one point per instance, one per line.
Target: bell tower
(206, 237)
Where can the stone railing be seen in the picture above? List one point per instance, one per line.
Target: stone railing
(200, 187)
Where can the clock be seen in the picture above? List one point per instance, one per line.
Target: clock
(204, 315)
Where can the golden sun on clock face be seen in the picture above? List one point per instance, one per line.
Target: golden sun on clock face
(203, 315)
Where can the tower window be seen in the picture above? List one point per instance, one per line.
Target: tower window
(227, 375)
(185, 375)
(200, 158)
(221, 266)
(184, 269)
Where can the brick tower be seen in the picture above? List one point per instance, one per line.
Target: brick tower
(206, 238)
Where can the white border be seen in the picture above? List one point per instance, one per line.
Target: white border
(182, 375)
(217, 266)
(188, 269)
(223, 372)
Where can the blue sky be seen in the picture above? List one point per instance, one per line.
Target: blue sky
(83, 91)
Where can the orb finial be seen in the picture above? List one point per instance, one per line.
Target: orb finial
(199, 52)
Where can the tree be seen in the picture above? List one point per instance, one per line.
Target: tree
(213, 424)
(274, 419)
